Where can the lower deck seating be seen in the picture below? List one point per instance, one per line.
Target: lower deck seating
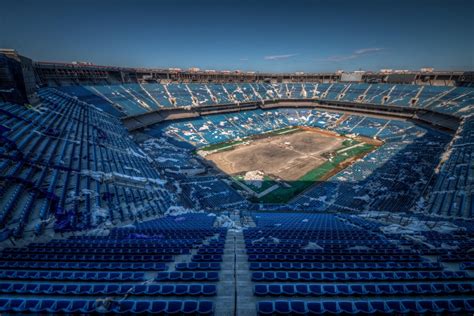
(121, 272)
(375, 273)
(353, 266)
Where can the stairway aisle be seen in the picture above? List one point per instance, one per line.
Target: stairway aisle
(225, 301)
(246, 301)
(235, 289)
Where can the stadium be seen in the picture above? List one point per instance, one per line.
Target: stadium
(143, 190)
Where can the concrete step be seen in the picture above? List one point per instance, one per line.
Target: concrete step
(225, 300)
(246, 303)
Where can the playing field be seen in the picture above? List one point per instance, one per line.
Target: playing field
(287, 157)
(277, 166)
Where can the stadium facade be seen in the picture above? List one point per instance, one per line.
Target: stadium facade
(164, 191)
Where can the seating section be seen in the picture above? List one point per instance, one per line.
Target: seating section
(209, 193)
(132, 99)
(71, 162)
(452, 192)
(213, 129)
(123, 271)
(351, 267)
(299, 263)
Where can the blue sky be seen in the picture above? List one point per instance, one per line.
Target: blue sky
(277, 36)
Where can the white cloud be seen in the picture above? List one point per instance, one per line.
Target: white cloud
(356, 54)
(369, 50)
(279, 57)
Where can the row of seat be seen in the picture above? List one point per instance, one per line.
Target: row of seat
(294, 250)
(114, 266)
(467, 265)
(93, 243)
(365, 307)
(332, 258)
(186, 307)
(326, 245)
(344, 266)
(303, 236)
(162, 250)
(91, 257)
(358, 276)
(333, 243)
(206, 251)
(457, 257)
(165, 230)
(109, 289)
(187, 276)
(363, 289)
(336, 235)
(71, 276)
(193, 266)
(207, 258)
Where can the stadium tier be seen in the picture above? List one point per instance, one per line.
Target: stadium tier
(133, 99)
(248, 198)
(287, 263)
(68, 160)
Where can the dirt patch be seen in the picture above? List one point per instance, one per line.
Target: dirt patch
(288, 157)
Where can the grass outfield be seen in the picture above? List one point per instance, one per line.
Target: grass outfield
(329, 168)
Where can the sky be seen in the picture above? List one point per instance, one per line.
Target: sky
(262, 36)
